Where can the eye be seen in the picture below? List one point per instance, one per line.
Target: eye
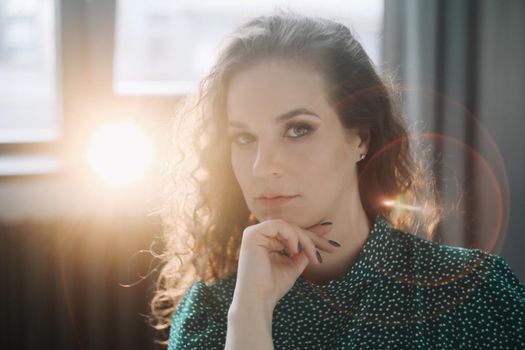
(300, 126)
(296, 126)
(233, 139)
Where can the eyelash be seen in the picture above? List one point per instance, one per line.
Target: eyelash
(303, 125)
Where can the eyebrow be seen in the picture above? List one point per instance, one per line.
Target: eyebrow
(281, 118)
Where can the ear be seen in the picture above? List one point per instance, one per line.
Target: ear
(364, 143)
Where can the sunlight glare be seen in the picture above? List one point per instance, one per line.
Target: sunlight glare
(399, 204)
(120, 153)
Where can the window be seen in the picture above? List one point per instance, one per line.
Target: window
(161, 48)
(29, 108)
(164, 47)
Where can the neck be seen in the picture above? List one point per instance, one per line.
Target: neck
(350, 228)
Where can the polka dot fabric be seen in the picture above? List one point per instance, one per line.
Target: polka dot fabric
(403, 292)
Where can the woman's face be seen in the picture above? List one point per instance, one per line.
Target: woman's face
(287, 139)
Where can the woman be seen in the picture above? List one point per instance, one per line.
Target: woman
(294, 108)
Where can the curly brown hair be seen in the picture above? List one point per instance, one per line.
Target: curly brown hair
(204, 212)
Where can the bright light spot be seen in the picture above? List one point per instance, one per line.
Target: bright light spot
(120, 153)
(388, 202)
(399, 203)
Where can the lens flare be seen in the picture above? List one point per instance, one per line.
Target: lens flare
(120, 153)
(400, 203)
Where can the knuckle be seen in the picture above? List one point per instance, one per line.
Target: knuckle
(272, 223)
(247, 231)
(250, 232)
(282, 227)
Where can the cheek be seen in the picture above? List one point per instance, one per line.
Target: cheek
(237, 167)
(324, 171)
(322, 159)
(242, 164)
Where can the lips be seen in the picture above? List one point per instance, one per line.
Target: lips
(271, 195)
(275, 201)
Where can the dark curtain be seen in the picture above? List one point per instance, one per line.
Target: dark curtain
(76, 284)
(460, 67)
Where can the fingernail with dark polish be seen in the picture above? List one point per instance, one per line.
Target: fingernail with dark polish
(319, 256)
(334, 243)
(298, 246)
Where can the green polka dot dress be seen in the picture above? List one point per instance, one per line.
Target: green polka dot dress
(403, 292)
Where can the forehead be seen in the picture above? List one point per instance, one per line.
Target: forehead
(273, 87)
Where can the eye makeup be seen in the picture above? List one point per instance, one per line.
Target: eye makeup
(281, 118)
(290, 125)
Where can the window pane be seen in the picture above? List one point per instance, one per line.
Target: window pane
(165, 46)
(28, 84)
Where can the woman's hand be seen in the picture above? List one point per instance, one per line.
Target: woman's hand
(265, 275)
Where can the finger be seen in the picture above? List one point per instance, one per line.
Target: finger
(284, 234)
(319, 243)
(275, 245)
(301, 261)
(320, 229)
(316, 233)
(306, 243)
(290, 235)
(282, 231)
(323, 243)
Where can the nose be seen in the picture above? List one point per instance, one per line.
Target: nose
(268, 161)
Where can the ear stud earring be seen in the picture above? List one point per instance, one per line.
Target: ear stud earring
(363, 156)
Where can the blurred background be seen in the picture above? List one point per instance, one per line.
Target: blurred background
(87, 94)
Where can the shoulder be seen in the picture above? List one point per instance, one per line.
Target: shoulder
(444, 268)
(468, 285)
(222, 291)
(202, 296)
(494, 313)
(433, 261)
(200, 319)
(192, 315)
